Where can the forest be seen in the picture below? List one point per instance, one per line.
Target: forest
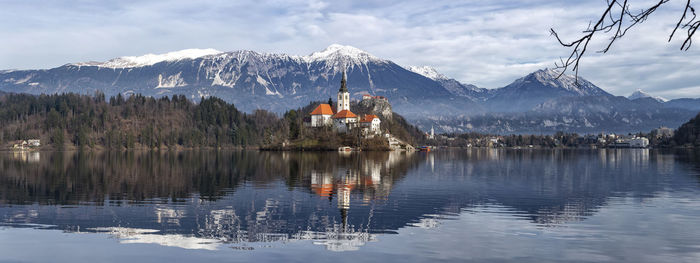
(688, 134)
(73, 121)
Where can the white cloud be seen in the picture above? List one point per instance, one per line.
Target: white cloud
(487, 43)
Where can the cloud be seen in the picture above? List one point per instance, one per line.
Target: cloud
(487, 43)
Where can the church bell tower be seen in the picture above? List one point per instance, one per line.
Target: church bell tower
(343, 96)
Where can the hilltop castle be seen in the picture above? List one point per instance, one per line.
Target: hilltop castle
(342, 119)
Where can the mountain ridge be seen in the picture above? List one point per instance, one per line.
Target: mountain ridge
(639, 94)
(249, 79)
(278, 82)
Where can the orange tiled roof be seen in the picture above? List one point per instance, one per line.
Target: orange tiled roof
(368, 118)
(344, 114)
(323, 109)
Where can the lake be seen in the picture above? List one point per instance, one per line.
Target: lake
(476, 205)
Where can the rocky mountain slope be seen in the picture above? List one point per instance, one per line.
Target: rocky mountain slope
(538, 87)
(248, 79)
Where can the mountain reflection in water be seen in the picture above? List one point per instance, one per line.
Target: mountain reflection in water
(204, 199)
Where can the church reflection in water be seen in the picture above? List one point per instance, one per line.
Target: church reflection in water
(212, 200)
(365, 178)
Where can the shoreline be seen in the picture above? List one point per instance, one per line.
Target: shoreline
(313, 149)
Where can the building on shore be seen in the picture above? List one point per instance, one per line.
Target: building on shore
(345, 121)
(634, 142)
(431, 135)
(371, 125)
(34, 143)
(26, 144)
(19, 145)
(321, 116)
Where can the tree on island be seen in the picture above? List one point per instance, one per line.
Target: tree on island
(615, 21)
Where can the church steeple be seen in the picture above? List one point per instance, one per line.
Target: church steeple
(343, 96)
(343, 87)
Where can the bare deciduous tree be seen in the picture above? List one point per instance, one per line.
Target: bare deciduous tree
(617, 19)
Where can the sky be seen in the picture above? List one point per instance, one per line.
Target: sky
(485, 43)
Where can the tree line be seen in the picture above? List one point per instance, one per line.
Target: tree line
(136, 121)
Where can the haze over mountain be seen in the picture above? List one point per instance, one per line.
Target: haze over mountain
(452, 85)
(540, 102)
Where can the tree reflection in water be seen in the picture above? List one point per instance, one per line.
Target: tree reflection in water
(200, 199)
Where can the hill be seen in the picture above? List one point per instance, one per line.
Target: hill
(689, 133)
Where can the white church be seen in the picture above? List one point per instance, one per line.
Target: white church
(342, 118)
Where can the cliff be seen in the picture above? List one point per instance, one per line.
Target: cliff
(379, 107)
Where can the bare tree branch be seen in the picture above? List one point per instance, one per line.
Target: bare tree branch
(616, 20)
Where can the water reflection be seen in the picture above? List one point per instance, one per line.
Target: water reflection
(201, 200)
(27, 156)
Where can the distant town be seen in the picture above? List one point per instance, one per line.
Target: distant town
(658, 138)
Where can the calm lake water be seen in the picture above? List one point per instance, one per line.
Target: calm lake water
(480, 205)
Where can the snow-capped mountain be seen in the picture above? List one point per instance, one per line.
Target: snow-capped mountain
(641, 94)
(427, 71)
(342, 56)
(151, 59)
(542, 101)
(249, 79)
(537, 87)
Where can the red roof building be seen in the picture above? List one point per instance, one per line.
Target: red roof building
(368, 118)
(323, 109)
(321, 116)
(371, 124)
(344, 114)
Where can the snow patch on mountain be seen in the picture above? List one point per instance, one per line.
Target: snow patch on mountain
(337, 57)
(231, 82)
(641, 94)
(336, 51)
(552, 78)
(170, 81)
(25, 79)
(428, 72)
(151, 59)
